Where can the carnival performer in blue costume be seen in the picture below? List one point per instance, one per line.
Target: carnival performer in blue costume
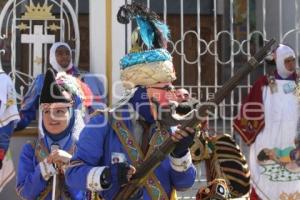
(112, 145)
(9, 115)
(59, 127)
(60, 59)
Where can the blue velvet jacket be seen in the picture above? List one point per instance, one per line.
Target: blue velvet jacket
(30, 183)
(98, 143)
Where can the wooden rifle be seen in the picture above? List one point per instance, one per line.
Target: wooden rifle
(190, 120)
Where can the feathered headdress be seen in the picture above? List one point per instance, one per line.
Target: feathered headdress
(64, 88)
(76, 87)
(148, 62)
(154, 33)
(53, 92)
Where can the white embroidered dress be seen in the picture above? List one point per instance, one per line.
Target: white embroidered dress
(271, 179)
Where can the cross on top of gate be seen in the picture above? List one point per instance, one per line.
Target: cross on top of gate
(37, 39)
(36, 28)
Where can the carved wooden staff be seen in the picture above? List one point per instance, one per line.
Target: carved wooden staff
(191, 120)
(53, 148)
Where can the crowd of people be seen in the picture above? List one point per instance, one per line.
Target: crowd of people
(82, 155)
(102, 162)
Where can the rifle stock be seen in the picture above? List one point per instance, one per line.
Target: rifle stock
(168, 146)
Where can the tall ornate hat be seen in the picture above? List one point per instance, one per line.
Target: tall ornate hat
(148, 62)
(64, 88)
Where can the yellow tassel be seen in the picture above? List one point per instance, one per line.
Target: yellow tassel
(173, 195)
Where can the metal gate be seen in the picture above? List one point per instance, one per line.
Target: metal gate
(210, 40)
(31, 26)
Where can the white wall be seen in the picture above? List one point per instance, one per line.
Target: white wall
(97, 38)
(118, 46)
(98, 42)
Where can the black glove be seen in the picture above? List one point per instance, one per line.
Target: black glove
(115, 175)
(183, 146)
(105, 178)
(186, 107)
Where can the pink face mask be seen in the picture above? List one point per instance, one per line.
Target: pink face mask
(163, 93)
